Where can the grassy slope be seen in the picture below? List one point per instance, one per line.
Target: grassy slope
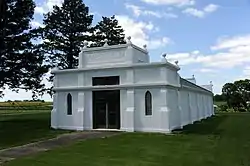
(223, 140)
(17, 128)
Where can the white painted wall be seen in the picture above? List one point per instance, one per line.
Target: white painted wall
(175, 102)
(185, 109)
(64, 121)
(149, 122)
(67, 80)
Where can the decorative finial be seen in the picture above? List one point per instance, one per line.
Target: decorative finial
(164, 55)
(106, 42)
(176, 62)
(145, 47)
(211, 82)
(193, 75)
(85, 44)
(129, 40)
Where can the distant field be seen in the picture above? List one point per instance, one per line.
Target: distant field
(218, 103)
(25, 105)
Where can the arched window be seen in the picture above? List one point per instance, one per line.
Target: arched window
(69, 104)
(148, 103)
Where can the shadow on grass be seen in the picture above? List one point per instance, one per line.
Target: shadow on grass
(209, 126)
(22, 129)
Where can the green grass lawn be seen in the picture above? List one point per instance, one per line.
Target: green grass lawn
(22, 127)
(223, 140)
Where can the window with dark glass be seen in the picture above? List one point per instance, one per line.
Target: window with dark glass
(69, 104)
(148, 103)
(110, 80)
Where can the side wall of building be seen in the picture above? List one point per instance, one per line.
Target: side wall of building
(191, 105)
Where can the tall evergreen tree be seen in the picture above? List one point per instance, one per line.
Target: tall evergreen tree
(66, 29)
(108, 28)
(2, 7)
(21, 61)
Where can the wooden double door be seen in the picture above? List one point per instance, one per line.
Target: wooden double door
(106, 109)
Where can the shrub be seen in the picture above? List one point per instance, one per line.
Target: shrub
(223, 108)
(242, 110)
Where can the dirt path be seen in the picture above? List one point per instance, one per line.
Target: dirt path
(62, 140)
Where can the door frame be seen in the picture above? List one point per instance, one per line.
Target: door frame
(107, 111)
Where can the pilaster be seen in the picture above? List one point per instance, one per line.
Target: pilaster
(164, 111)
(54, 118)
(179, 111)
(203, 107)
(190, 111)
(81, 109)
(197, 118)
(129, 120)
(200, 107)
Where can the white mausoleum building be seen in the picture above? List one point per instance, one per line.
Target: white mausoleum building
(117, 87)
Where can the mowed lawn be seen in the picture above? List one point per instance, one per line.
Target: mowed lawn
(24, 126)
(223, 140)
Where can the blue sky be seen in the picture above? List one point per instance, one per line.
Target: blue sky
(210, 39)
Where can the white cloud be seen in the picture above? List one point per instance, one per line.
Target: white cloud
(35, 24)
(194, 12)
(201, 13)
(39, 10)
(170, 15)
(207, 70)
(47, 6)
(210, 8)
(140, 11)
(184, 58)
(196, 52)
(51, 3)
(157, 43)
(170, 2)
(226, 42)
(246, 71)
(139, 31)
(237, 53)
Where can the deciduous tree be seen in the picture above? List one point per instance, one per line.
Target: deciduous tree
(237, 94)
